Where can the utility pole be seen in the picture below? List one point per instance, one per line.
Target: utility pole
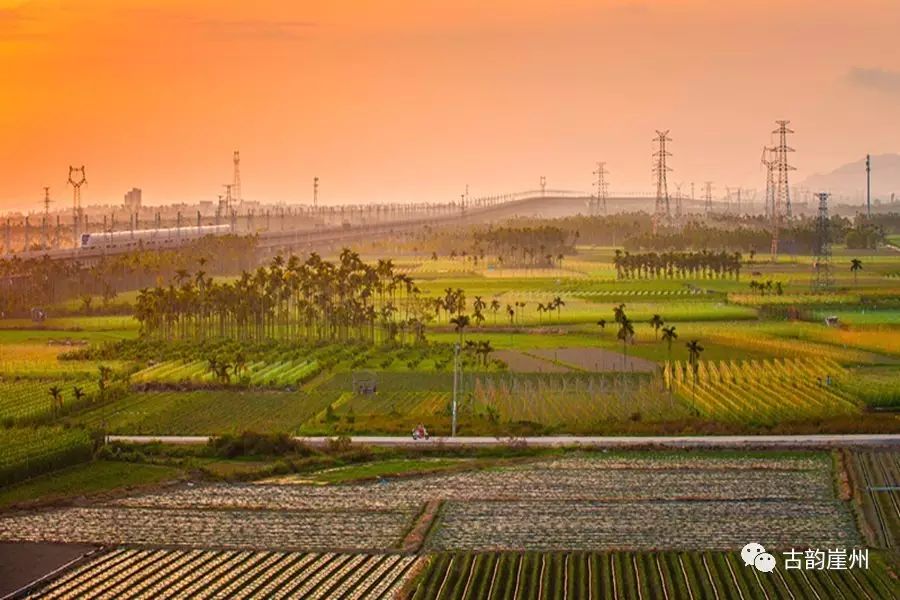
(602, 190)
(455, 389)
(868, 186)
(45, 241)
(76, 180)
(660, 169)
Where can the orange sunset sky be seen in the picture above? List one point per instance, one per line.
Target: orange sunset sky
(412, 99)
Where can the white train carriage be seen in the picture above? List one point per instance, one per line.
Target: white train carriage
(168, 237)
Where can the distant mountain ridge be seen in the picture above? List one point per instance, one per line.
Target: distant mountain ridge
(849, 180)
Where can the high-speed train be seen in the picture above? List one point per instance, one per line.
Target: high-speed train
(168, 237)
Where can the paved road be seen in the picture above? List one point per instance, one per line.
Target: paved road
(712, 441)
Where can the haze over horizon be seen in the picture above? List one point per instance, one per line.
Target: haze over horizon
(406, 101)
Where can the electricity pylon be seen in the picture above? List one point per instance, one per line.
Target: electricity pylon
(662, 211)
(76, 179)
(599, 201)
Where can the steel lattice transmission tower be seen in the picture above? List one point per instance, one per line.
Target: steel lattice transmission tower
(76, 179)
(782, 202)
(823, 278)
(598, 202)
(769, 161)
(315, 192)
(660, 169)
(236, 183)
(707, 197)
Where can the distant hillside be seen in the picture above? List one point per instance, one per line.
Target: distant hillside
(850, 180)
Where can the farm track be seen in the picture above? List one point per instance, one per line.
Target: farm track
(640, 576)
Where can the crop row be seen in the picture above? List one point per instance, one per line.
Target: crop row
(559, 480)
(207, 412)
(578, 402)
(640, 525)
(766, 391)
(642, 576)
(152, 574)
(319, 530)
(31, 451)
(23, 399)
(259, 374)
(876, 475)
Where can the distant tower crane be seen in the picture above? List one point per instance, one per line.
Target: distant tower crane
(662, 211)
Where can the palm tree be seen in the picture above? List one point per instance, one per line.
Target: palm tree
(669, 336)
(104, 375)
(855, 266)
(656, 322)
(557, 303)
(602, 323)
(619, 312)
(694, 350)
(626, 333)
(78, 393)
(56, 398)
(460, 322)
(495, 306)
(540, 311)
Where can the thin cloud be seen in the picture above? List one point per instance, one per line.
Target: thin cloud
(875, 79)
(283, 31)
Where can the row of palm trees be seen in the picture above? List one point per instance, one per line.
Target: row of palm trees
(668, 265)
(290, 299)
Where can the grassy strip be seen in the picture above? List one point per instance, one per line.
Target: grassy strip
(88, 479)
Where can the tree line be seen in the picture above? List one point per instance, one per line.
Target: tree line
(312, 300)
(669, 265)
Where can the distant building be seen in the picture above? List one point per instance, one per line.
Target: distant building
(133, 201)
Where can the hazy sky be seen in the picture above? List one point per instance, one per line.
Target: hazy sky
(412, 99)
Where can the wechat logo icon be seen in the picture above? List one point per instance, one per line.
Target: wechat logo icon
(754, 555)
